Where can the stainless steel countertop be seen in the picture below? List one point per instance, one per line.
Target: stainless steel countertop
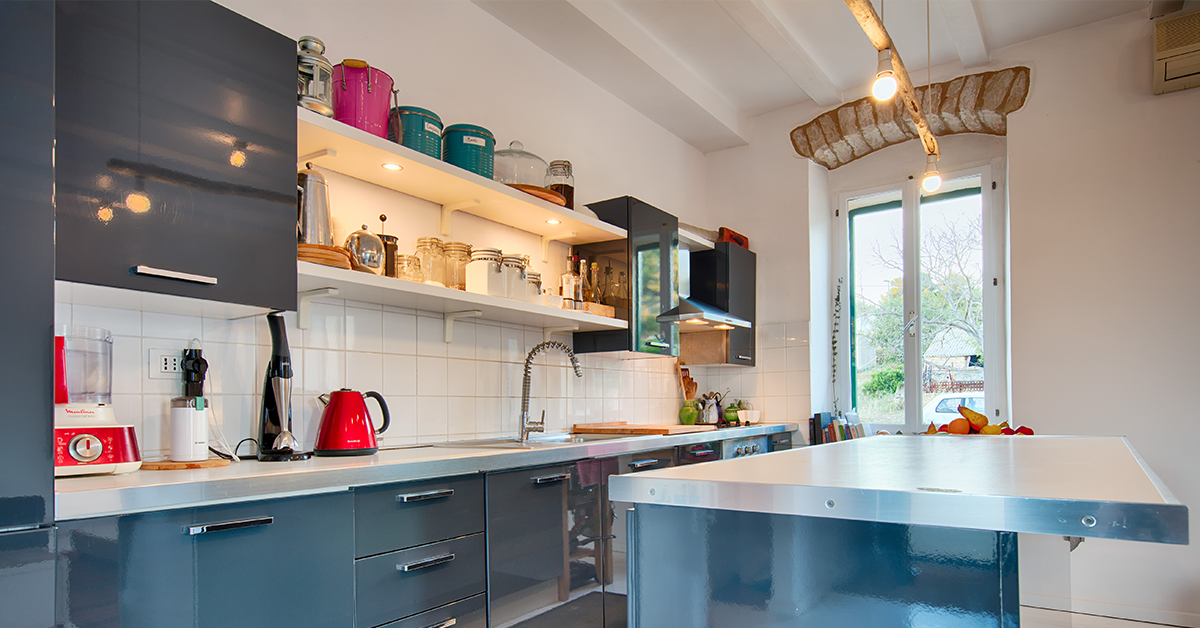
(1069, 485)
(141, 491)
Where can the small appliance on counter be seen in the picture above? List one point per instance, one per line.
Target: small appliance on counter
(87, 437)
(346, 428)
(189, 413)
(275, 440)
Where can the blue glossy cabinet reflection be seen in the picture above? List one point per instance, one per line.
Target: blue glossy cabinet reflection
(286, 562)
(176, 148)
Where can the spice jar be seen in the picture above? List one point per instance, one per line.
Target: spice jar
(560, 179)
(513, 267)
(458, 255)
(409, 267)
(484, 275)
(433, 261)
(533, 287)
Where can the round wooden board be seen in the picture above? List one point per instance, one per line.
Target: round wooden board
(169, 465)
(545, 194)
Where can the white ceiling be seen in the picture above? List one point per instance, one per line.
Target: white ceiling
(701, 68)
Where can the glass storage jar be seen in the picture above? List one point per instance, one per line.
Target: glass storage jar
(484, 275)
(562, 181)
(409, 267)
(433, 261)
(533, 287)
(513, 267)
(458, 255)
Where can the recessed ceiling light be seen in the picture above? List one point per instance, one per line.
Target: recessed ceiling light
(553, 222)
(392, 167)
(723, 327)
(696, 321)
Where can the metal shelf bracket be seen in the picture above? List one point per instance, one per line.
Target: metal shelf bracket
(448, 322)
(547, 331)
(304, 299)
(450, 209)
(324, 152)
(546, 240)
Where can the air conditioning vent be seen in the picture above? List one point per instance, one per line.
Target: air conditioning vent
(1176, 52)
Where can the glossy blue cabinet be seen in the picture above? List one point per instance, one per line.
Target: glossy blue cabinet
(287, 562)
(176, 150)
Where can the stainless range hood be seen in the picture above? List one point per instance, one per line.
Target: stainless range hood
(695, 316)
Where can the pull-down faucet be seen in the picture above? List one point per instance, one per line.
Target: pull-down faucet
(527, 426)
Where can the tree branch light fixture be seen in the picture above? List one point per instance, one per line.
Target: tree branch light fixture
(885, 77)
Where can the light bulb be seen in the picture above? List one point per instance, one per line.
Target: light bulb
(237, 159)
(932, 180)
(885, 78)
(554, 221)
(105, 214)
(392, 167)
(138, 202)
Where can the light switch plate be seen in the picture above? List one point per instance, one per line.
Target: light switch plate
(165, 364)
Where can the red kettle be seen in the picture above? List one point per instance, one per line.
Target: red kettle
(346, 428)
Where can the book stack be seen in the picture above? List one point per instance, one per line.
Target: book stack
(826, 427)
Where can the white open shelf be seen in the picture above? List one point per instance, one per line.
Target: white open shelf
(356, 153)
(369, 288)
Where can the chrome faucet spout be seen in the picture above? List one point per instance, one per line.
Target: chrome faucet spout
(527, 426)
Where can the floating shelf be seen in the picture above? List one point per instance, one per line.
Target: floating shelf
(694, 241)
(360, 286)
(356, 153)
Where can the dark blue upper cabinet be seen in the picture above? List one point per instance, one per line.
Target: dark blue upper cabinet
(176, 150)
(26, 265)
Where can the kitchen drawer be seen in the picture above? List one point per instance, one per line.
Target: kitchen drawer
(468, 613)
(399, 584)
(397, 516)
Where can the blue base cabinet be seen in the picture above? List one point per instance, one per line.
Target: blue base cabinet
(287, 562)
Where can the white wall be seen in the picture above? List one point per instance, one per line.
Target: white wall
(1105, 331)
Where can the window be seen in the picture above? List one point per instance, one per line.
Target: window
(926, 329)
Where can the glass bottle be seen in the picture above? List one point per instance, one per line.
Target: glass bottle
(433, 260)
(595, 282)
(621, 292)
(458, 255)
(570, 283)
(560, 179)
(581, 285)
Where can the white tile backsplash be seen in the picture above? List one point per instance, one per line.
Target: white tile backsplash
(431, 377)
(399, 333)
(326, 327)
(118, 322)
(431, 340)
(400, 375)
(364, 371)
(155, 325)
(364, 330)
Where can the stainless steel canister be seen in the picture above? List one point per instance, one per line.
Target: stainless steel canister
(314, 225)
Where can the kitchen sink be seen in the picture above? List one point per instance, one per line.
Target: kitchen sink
(534, 442)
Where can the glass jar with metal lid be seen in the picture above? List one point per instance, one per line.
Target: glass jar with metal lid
(560, 179)
(533, 287)
(433, 261)
(484, 275)
(458, 255)
(409, 267)
(513, 268)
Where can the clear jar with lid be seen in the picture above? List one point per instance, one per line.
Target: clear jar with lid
(560, 179)
(408, 267)
(533, 287)
(484, 275)
(513, 267)
(433, 261)
(458, 255)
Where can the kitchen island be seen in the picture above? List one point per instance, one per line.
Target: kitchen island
(883, 531)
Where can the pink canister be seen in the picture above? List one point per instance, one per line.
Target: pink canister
(360, 96)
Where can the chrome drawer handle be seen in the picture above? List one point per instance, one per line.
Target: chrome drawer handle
(550, 479)
(641, 464)
(658, 345)
(424, 495)
(444, 624)
(174, 274)
(426, 562)
(702, 452)
(229, 525)
(744, 357)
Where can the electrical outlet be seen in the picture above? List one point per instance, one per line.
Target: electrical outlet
(165, 364)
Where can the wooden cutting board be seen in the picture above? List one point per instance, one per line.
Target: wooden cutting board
(168, 465)
(622, 427)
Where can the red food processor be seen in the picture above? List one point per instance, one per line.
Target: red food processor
(87, 437)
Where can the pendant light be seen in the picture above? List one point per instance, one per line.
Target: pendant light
(933, 180)
(885, 74)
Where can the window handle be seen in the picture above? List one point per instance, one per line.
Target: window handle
(909, 327)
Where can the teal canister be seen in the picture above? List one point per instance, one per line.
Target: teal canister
(420, 129)
(469, 147)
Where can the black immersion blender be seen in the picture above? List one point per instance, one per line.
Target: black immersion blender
(275, 440)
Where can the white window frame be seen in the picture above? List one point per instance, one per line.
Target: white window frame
(995, 350)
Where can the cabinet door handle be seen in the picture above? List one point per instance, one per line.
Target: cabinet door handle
(658, 345)
(174, 274)
(702, 452)
(444, 624)
(642, 464)
(426, 562)
(228, 525)
(424, 495)
(744, 357)
(550, 479)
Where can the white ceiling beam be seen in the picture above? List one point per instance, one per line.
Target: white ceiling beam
(629, 33)
(761, 22)
(962, 16)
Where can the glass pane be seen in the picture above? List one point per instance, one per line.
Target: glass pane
(952, 334)
(877, 309)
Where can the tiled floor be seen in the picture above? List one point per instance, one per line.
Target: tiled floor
(1042, 618)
